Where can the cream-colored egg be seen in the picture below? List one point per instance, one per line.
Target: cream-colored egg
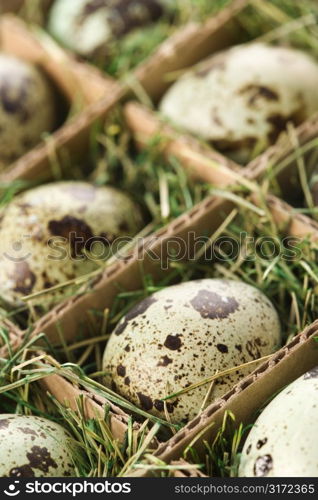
(184, 334)
(27, 108)
(284, 439)
(45, 233)
(243, 98)
(34, 447)
(88, 27)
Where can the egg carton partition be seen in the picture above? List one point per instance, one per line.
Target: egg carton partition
(69, 393)
(209, 166)
(246, 397)
(83, 87)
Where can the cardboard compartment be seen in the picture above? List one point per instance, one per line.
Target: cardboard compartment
(84, 88)
(72, 139)
(247, 397)
(209, 166)
(94, 406)
(67, 392)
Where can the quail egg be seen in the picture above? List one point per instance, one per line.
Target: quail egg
(88, 26)
(46, 232)
(184, 334)
(27, 108)
(34, 447)
(243, 98)
(284, 439)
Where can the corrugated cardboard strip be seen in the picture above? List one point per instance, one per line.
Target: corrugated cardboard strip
(247, 397)
(68, 393)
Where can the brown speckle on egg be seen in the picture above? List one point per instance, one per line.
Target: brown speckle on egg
(138, 310)
(211, 305)
(23, 278)
(145, 401)
(263, 465)
(222, 348)
(260, 443)
(173, 342)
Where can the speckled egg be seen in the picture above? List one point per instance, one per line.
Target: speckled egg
(46, 232)
(34, 447)
(184, 334)
(89, 26)
(243, 98)
(27, 108)
(284, 439)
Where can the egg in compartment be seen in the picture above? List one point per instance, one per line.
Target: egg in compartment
(284, 439)
(242, 99)
(184, 334)
(48, 235)
(28, 108)
(89, 27)
(35, 447)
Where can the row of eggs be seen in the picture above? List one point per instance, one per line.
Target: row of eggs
(282, 443)
(239, 100)
(169, 341)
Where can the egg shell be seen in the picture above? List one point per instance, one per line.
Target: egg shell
(89, 26)
(34, 447)
(27, 108)
(44, 231)
(184, 334)
(284, 439)
(241, 99)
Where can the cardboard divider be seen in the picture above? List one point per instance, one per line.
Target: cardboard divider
(13, 333)
(68, 393)
(127, 273)
(247, 397)
(211, 167)
(83, 86)
(94, 406)
(202, 162)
